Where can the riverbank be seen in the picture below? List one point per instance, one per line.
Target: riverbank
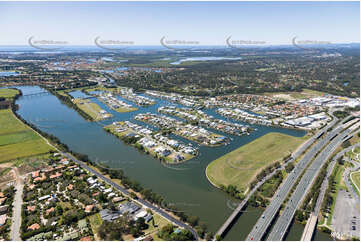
(92, 109)
(152, 142)
(240, 167)
(171, 182)
(180, 128)
(16, 139)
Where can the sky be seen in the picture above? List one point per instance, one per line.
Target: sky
(208, 23)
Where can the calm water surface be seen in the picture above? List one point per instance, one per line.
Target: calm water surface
(185, 185)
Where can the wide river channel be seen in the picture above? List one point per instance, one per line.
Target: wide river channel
(185, 185)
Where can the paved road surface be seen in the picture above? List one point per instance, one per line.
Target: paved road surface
(280, 228)
(294, 156)
(342, 222)
(310, 227)
(18, 202)
(265, 220)
(141, 201)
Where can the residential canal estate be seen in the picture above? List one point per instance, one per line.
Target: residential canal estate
(171, 181)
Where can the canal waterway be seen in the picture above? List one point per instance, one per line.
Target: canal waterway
(184, 185)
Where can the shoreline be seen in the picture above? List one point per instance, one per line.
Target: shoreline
(147, 151)
(247, 188)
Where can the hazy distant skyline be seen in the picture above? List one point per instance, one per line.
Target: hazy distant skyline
(209, 23)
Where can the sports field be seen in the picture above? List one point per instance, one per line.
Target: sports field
(240, 166)
(17, 140)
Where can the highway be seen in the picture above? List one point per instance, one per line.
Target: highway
(280, 228)
(268, 215)
(294, 156)
(311, 224)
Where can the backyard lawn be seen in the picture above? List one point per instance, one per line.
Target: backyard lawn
(240, 166)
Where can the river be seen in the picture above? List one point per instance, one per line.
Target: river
(185, 185)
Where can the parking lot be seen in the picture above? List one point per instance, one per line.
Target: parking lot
(346, 223)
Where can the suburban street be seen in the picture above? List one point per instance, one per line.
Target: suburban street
(141, 201)
(110, 182)
(18, 202)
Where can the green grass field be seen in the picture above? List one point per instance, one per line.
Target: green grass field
(240, 166)
(306, 93)
(338, 171)
(17, 140)
(8, 93)
(90, 108)
(356, 179)
(95, 222)
(125, 110)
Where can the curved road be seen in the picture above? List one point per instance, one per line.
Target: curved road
(268, 215)
(294, 156)
(280, 228)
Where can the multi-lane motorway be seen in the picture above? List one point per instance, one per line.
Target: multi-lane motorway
(294, 156)
(268, 215)
(280, 228)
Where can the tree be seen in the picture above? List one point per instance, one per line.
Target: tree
(209, 236)
(59, 210)
(290, 166)
(140, 224)
(102, 198)
(133, 195)
(193, 220)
